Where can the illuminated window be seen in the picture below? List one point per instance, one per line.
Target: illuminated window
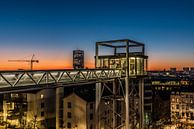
(42, 96)
(172, 106)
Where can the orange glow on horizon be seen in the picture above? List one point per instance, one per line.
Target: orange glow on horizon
(63, 60)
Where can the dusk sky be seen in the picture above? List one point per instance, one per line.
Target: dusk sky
(51, 29)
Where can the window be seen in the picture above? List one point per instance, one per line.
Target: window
(91, 127)
(187, 114)
(68, 125)
(91, 116)
(42, 96)
(68, 104)
(172, 106)
(183, 107)
(42, 114)
(183, 114)
(42, 105)
(68, 114)
(91, 106)
(177, 106)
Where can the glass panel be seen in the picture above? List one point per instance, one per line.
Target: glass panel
(105, 63)
(132, 66)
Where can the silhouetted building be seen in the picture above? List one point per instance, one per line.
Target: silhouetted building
(186, 70)
(78, 59)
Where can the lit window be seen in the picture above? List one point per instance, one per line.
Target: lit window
(42, 96)
(172, 106)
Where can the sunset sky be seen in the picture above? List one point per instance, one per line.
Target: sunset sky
(51, 29)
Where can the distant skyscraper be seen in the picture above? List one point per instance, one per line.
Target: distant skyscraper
(78, 59)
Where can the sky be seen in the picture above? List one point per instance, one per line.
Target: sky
(51, 29)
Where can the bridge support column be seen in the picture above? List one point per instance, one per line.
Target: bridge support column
(127, 88)
(141, 103)
(59, 107)
(114, 104)
(127, 102)
(97, 108)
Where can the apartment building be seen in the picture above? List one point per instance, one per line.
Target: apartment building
(41, 109)
(182, 107)
(78, 112)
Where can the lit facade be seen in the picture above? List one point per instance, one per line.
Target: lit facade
(182, 107)
(78, 113)
(14, 108)
(41, 109)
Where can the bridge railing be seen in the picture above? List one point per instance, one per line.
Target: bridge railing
(39, 77)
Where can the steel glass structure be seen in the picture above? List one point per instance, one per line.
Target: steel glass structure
(129, 56)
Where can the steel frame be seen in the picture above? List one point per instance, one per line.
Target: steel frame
(36, 78)
(131, 116)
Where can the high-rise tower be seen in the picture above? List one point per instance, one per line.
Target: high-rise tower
(78, 59)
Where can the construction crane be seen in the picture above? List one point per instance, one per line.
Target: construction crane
(32, 60)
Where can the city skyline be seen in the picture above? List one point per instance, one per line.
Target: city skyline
(52, 30)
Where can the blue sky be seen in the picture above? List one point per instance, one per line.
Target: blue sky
(53, 28)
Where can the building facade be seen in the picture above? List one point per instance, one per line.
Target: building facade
(78, 113)
(182, 107)
(41, 109)
(78, 59)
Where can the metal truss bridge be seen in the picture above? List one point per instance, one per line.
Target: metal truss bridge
(37, 79)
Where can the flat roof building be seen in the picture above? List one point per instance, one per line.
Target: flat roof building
(78, 59)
